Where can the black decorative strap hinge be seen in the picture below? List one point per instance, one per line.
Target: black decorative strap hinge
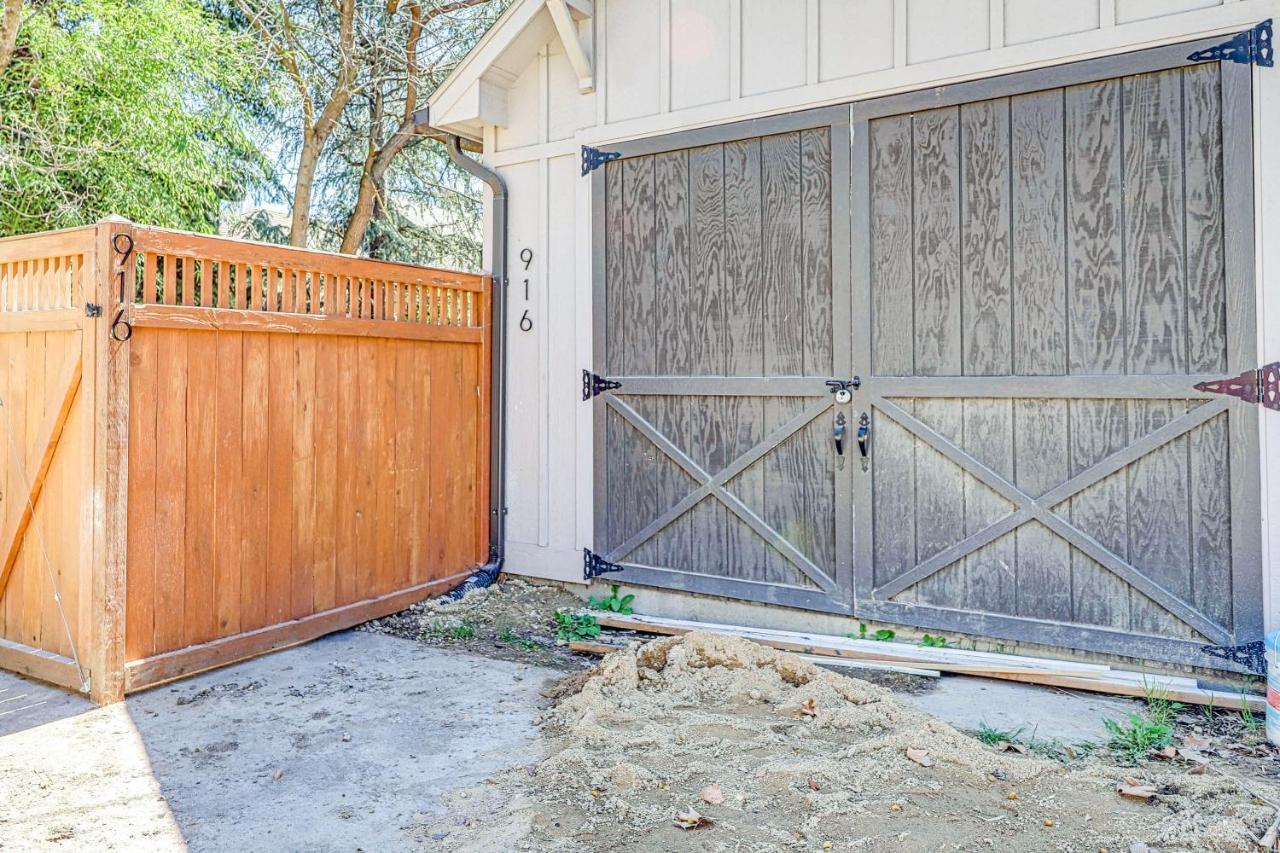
(593, 565)
(1252, 656)
(594, 158)
(1261, 385)
(1251, 47)
(593, 385)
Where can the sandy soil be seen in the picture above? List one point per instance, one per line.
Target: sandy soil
(511, 620)
(802, 758)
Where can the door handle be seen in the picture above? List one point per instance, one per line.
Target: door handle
(837, 433)
(864, 437)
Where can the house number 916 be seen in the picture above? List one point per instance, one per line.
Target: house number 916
(526, 322)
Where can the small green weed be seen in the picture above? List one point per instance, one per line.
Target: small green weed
(576, 626)
(989, 734)
(1133, 741)
(1159, 707)
(461, 631)
(1250, 719)
(614, 603)
(883, 635)
(511, 638)
(932, 642)
(1056, 750)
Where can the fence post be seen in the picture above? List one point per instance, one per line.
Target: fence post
(114, 268)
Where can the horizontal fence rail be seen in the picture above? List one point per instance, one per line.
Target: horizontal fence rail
(43, 272)
(178, 269)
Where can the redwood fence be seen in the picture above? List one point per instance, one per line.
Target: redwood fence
(214, 448)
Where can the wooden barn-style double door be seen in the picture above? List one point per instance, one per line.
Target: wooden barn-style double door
(1018, 282)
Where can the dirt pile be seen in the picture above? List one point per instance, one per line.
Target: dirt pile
(512, 620)
(778, 754)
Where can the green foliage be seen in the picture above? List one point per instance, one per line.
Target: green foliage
(456, 631)
(1132, 741)
(613, 603)
(135, 107)
(576, 626)
(883, 635)
(1250, 719)
(461, 631)
(1160, 709)
(511, 638)
(932, 642)
(989, 735)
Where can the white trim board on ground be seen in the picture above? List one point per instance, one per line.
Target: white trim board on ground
(1096, 678)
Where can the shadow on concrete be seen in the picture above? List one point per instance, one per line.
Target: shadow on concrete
(350, 741)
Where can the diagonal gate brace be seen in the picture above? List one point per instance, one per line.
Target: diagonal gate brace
(55, 420)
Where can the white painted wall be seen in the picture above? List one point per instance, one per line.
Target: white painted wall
(669, 65)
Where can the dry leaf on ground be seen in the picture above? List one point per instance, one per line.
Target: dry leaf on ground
(1135, 790)
(713, 795)
(809, 708)
(692, 820)
(920, 756)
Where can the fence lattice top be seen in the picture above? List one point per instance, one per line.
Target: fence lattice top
(42, 272)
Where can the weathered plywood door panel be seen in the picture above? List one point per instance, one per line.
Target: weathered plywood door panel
(723, 311)
(1042, 273)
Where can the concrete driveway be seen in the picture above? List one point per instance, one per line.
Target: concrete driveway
(346, 743)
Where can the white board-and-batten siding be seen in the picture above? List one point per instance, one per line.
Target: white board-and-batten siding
(663, 66)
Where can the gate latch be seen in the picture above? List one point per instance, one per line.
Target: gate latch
(840, 387)
(593, 385)
(1261, 385)
(1252, 47)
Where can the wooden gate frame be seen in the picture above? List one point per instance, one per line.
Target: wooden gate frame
(835, 593)
(1242, 337)
(99, 304)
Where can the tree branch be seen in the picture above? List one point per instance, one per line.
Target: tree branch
(12, 17)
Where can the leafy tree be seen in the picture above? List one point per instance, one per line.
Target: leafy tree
(136, 107)
(357, 71)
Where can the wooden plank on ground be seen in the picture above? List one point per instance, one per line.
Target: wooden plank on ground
(594, 648)
(1043, 671)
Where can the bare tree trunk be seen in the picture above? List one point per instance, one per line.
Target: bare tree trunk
(308, 160)
(378, 243)
(9, 31)
(372, 178)
(371, 184)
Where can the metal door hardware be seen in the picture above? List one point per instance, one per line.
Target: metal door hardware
(593, 565)
(592, 385)
(837, 433)
(864, 437)
(1261, 385)
(1251, 47)
(594, 158)
(841, 388)
(1252, 656)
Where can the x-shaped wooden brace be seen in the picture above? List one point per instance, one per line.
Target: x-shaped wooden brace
(1029, 507)
(715, 485)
